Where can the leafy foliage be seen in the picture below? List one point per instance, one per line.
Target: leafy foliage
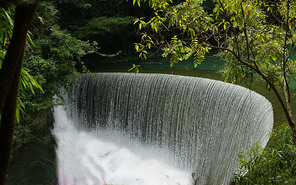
(110, 23)
(47, 16)
(56, 56)
(27, 81)
(251, 45)
(104, 26)
(50, 62)
(6, 26)
(108, 32)
(53, 63)
(276, 164)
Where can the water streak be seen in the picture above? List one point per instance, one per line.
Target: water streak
(94, 159)
(204, 124)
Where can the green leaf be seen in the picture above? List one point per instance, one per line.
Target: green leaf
(30, 39)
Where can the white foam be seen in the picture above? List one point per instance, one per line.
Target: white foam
(86, 159)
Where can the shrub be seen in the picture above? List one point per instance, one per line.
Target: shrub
(276, 164)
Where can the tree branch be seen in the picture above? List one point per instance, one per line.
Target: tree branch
(232, 28)
(272, 86)
(285, 54)
(245, 32)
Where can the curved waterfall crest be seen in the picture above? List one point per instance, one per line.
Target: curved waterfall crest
(204, 123)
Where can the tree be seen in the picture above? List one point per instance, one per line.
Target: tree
(52, 59)
(256, 38)
(9, 81)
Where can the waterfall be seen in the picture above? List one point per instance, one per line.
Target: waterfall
(200, 124)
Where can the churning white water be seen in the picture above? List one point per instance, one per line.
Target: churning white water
(197, 125)
(88, 158)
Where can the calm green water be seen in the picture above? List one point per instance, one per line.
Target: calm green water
(211, 63)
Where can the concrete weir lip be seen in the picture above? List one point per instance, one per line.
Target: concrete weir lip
(203, 123)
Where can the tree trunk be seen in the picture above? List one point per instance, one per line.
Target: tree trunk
(7, 124)
(23, 18)
(290, 117)
(9, 83)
